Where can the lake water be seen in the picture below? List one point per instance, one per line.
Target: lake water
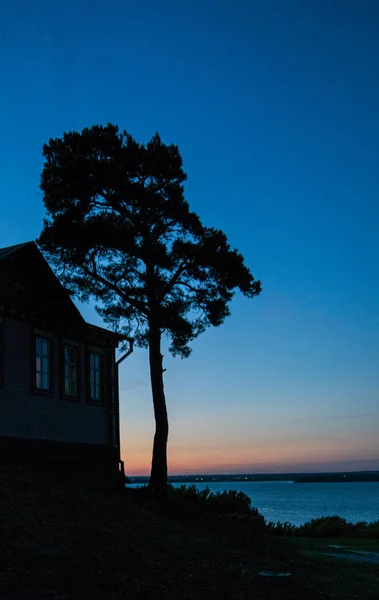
(297, 503)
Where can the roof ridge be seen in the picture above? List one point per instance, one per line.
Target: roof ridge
(4, 252)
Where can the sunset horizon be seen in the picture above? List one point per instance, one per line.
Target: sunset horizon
(372, 465)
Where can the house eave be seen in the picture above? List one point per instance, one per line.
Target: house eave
(116, 336)
(43, 321)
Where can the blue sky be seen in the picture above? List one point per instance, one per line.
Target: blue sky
(274, 106)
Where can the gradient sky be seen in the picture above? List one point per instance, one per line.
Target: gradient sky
(274, 106)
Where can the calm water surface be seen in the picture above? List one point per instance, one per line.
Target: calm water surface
(301, 502)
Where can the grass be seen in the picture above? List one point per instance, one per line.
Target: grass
(69, 540)
(324, 544)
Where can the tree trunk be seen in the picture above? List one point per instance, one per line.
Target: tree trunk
(158, 477)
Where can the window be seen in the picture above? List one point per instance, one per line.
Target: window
(95, 376)
(70, 371)
(42, 372)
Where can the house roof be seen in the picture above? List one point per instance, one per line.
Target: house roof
(4, 252)
(74, 312)
(119, 336)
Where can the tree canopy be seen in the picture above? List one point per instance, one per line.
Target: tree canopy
(118, 229)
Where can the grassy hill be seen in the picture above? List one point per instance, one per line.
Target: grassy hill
(70, 540)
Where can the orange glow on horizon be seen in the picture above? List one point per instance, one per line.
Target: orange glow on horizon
(255, 451)
(181, 463)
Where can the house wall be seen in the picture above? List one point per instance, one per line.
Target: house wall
(24, 414)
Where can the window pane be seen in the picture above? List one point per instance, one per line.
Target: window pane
(70, 370)
(95, 376)
(42, 363)
(70, 387)
(45, 382)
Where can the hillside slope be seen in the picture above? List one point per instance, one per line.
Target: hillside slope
(68, 540)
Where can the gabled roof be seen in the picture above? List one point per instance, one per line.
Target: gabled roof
(42, 290)
(4, 252)
(59, 301)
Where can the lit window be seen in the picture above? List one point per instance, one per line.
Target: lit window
(42, 364)
(70, 371)
(95, 376)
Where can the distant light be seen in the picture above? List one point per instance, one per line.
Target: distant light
(245, 477)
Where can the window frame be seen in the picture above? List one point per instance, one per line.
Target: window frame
(50, 340)
(90, 399)
(74, 346)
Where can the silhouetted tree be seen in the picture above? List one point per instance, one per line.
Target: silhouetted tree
(118, 229)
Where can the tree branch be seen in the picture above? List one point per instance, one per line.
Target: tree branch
(132, 301)
(190, 287)
(173, 280)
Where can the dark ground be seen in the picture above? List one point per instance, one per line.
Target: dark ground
(71, 541)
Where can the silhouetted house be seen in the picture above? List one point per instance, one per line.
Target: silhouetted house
(59, 402)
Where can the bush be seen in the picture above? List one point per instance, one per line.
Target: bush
(372, 529)
(188, 493)
(226, 502)
(230, 501)
(326, 527)
(283, 529)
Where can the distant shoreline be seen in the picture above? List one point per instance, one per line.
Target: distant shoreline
(342, 477)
